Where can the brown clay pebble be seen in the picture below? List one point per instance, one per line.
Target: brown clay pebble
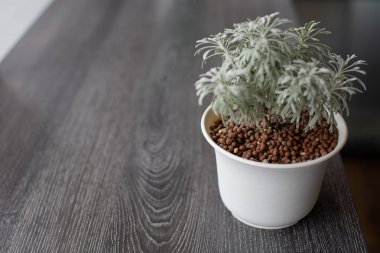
(275, 142)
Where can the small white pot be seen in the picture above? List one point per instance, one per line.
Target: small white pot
(265, 195)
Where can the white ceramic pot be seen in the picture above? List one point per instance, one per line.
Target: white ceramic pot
(265, 195)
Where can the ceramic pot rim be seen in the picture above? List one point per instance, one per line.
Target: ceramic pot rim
(342, 138)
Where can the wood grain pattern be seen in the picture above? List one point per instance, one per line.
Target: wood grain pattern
(100, 145)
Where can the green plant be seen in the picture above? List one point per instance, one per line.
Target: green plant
(271, 73)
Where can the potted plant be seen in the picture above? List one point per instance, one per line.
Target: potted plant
(275, 118)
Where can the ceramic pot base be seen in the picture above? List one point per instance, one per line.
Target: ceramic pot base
(260, 226)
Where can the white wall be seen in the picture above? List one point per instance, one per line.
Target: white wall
(16, 16)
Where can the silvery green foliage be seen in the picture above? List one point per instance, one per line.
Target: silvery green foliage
(273, 73)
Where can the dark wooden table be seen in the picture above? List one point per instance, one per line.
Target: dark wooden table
(100, 144)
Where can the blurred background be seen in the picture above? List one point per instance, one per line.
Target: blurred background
(355, 29)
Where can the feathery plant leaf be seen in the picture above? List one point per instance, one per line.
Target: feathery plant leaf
(307, 42)
(218, 44)
(343, 81)
(304, 85)
(269, 71)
